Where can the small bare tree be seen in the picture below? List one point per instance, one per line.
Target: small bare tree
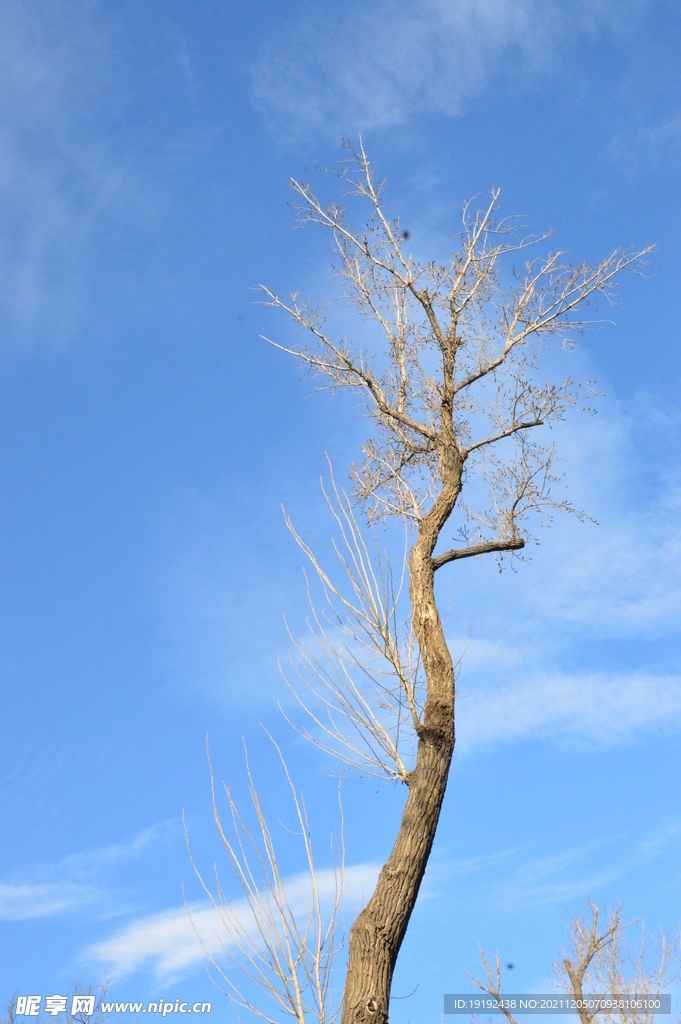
(279, 941)
(452, 387)
(600, 962)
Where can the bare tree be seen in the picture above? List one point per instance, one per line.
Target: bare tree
(599, 962)
(452, 389)
(287, 951)
(452, 386)
(603, 961)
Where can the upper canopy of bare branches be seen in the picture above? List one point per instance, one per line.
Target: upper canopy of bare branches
(454, 379)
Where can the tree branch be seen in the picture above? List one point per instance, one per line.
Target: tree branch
(501, 435)
(484, 548)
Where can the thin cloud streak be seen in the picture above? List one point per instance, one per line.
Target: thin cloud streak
(563, 892)
(25, 901)
(512, 880)
(544, 881)
(621, 580)
(58, 176)
(442, 870)
(649, 147)
(104, 856)
(167, 943)
(46, 890)
(623, 577)
(594, 710)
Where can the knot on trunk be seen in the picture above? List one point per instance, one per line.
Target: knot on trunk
(374, 1014)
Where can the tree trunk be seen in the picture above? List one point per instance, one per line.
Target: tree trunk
(377, 934)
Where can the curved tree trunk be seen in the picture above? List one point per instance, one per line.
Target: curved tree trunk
(377, 934)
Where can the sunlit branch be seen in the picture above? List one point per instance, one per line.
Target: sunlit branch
(494, 438)
(473, 550)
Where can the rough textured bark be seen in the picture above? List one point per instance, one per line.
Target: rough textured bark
(377, 934)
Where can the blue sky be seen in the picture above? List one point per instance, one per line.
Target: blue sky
(149, 438)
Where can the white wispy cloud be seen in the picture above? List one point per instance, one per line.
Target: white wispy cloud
(58, 174)
(652, 845)
(582, 887)
(374, 66)
(167, 943)
(583, 871)
(622, 578)
(647, 146)
(550, 866)
(442, 869)
(21, 901)
(48, 889)
(593, 709)
(519, 877)
(74, 172)
(88, 861)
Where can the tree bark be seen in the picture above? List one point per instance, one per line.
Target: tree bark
(377, 934)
